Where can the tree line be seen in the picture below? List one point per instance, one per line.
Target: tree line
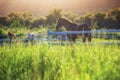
(97, 20)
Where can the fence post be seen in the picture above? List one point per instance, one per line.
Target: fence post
(49, 36)
(66, 37)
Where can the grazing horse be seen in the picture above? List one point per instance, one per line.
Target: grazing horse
(11, 36)
(69, 26)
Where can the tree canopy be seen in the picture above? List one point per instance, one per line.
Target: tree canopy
(97, 20)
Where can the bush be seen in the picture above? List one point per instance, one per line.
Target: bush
(15, 24)
(3, 34)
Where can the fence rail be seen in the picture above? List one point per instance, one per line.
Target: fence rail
(82, 32)
(50, 33)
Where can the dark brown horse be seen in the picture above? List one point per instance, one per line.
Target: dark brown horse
(69, 26)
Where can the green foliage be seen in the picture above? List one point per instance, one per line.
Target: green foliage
(41, 21)
(87, 19)
(15, 24)
(53, 16)
(3, 34)
(76, 62)
(4, 21)
(62, 29)
(98, 20)
(115, 14)
(52, 27)
(72, 16)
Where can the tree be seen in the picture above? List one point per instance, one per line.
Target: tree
(25, 18)
(72, 16)
(98, 20)
(53, 16)
(4, 21)
(3, 35)
(87, 19)
(41, 21)
(15, 24)
(115, 16)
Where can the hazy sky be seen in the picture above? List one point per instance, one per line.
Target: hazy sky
(42, 7)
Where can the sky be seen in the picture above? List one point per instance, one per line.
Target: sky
(42, 7)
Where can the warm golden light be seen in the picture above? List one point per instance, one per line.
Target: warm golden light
(43, 6)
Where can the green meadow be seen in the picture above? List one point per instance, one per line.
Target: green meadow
(22, 61)
(50, 62)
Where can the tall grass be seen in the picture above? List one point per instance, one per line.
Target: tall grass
(73, 62)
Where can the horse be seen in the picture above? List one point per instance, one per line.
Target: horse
(11, 36)
(69, 26)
